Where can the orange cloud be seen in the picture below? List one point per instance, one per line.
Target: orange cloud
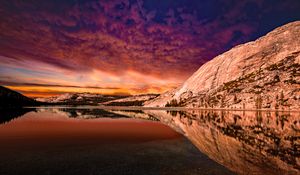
(134, 46)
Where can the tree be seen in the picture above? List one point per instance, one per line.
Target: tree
(172, 103)
(276, 78)
(223, 101)
(235, 98)
(258, 102)
(281, 98)
(167, 105)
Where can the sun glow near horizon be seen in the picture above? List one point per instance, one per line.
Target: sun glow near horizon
(116, 47)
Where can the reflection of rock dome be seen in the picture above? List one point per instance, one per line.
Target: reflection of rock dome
(245, 142)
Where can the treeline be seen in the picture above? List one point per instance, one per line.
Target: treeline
(126, 103)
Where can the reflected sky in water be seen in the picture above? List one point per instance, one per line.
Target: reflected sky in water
(96, 141)
(245, 142)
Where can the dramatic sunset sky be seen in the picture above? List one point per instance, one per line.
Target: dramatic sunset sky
(50, 47)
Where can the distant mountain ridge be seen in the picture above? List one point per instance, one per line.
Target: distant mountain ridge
(134, 100)
(261, 74)
(79, 99)
(97, 99)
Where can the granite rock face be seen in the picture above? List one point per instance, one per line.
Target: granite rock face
(264, 73)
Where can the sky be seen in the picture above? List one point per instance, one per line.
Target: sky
(118, 47)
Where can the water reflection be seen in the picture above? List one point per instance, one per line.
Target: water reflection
(7, 115)
(97, 141)
(246, 142)
(83, 113)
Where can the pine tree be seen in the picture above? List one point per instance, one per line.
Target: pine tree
(235, 98)
(281, 98)
(258, 102)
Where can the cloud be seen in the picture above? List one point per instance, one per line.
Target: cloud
(161, 40)
(7, 83)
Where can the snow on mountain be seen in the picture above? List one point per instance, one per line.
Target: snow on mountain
(98, 99)
(74, 97)
(135, 100)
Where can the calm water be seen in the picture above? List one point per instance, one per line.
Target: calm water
(91, 140)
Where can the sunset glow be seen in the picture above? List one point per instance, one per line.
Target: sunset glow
(122, 46)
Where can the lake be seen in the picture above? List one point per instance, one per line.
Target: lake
(95, 140)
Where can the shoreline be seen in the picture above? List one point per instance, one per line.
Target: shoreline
(158, 108)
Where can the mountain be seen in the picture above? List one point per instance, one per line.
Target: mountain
(13, 99)
(135, 100)
(98, 99)
(260, 74)
(79, 99)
